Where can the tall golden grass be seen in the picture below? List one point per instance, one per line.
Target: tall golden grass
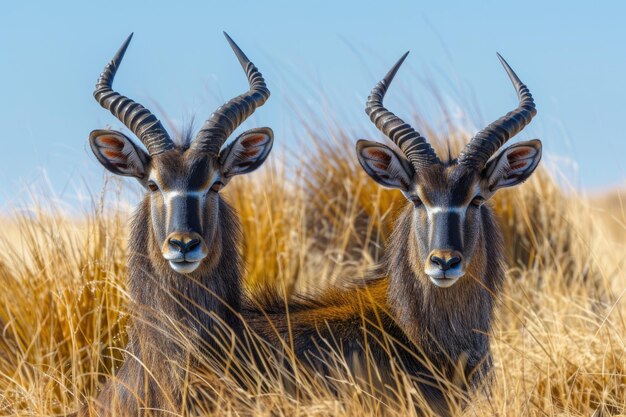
(559, 340)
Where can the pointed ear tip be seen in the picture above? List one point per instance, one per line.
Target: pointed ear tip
(535, 143)
(99, 132)
(362, 143)
(260, 131)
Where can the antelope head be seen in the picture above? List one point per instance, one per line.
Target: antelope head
(448, 197)
(182, 181)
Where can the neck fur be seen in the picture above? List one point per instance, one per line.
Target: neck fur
(172, 310)
(444, 321)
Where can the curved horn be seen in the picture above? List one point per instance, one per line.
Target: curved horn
(230, 115)
(135, 116)
(486, 142)
(415, 147)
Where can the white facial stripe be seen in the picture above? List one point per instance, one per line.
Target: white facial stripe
(436, 210)
(181, 198)
(177, 200)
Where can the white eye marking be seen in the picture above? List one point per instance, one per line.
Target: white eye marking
(170, 195)
(439, 209)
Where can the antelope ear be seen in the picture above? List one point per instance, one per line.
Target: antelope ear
(513, 165)
(247, 152)
(384, 165)
(119, 154)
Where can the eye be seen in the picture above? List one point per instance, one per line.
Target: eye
(217, 187)
(152, 186)
(416, 201)
(478, 201)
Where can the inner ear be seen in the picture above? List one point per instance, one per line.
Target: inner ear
(117, 153)
(384, 165)
(247, 152)
(514, 165)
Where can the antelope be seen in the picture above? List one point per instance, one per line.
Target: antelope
(184, 265)
(442, 268)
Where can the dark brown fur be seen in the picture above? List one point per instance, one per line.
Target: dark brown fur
(434, 334)
(171, 313)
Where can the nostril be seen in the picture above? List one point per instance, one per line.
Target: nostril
(437, 260)
(182, 246)
(445, 264)
(192, 244)
(177, 244)
(454, 262)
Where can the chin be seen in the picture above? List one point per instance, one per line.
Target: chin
(441, 280)
(444, 282)
(184, 267)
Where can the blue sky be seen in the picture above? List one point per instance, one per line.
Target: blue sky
(324, 54)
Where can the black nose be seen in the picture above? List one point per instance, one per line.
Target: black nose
(184, 247)
(445, 264)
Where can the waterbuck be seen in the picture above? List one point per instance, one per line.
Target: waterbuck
(184, 265)
(429, 313)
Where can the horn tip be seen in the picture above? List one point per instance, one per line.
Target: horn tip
(392, 72)
(502, 60)
(122, 50)
(401, 60)
(129, 38)
(232, 43)
(505, 64)
(512, 75)
(243, 59)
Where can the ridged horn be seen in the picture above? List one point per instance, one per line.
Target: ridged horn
(136, 117)
(230, 115)
(415, 147)
(486, 142)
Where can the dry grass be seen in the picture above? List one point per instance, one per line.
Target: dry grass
(559, 341)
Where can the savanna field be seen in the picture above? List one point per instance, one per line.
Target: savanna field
(559, 338)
